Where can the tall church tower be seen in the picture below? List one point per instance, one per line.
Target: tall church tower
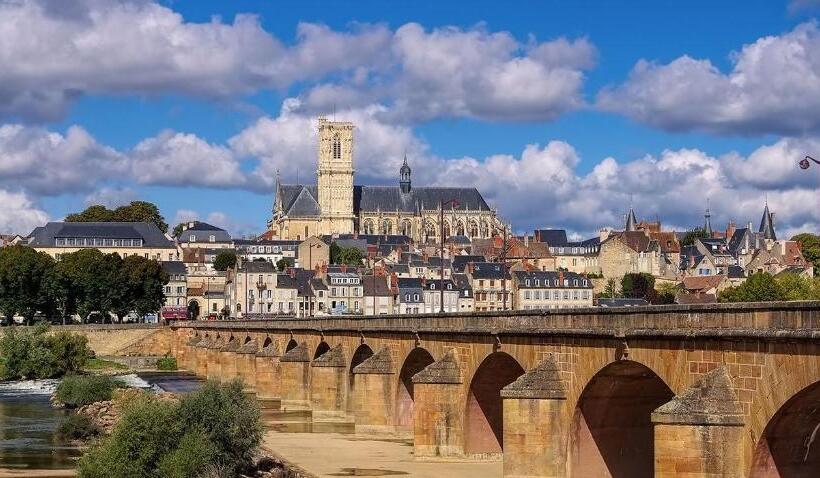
(335, 176)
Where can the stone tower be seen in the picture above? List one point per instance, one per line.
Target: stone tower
(335, 176)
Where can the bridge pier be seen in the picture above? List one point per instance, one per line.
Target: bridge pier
(201, 352)
(374, 394)
(328, 392)
(227, 360)
(535, 424)
(295, 413)
(246, 364)
(214, 371)
(268, 375)
(699, 433)
(186, 353)
(438, 412)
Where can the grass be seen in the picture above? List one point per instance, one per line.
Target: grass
(167, 363)
(100, 364)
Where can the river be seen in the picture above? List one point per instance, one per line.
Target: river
(28, 421)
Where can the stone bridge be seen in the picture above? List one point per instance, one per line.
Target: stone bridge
(729, 390)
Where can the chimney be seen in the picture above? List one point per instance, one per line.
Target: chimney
(344, 267)
(526, 240)
(561, 278)
(292, 272)
(471, 266)
(423, 281)
(730, 229)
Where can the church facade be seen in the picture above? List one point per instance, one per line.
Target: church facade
(335, 205)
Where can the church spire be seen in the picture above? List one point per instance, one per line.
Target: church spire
(767, 224)
(707, 227)
(404, 177)
(631, 221)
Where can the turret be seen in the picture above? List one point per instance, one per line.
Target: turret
(404, 174)
(767, 224)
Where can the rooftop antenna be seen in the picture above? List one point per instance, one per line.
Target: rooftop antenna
(297, 174)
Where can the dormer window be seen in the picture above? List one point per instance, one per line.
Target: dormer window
(211, 238)
(537, 282)
(192, 238)
(527, 282)
(433, 286)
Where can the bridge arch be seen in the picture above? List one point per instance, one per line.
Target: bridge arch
(321, 349)
(415, 362)
(611, 429)
(483, 419)
(790, 444)
(292, 343)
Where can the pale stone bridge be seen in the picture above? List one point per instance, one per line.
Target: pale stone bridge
(674, 391)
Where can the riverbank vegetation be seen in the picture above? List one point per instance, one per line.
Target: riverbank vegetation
(764, 287)
(79, 390)
(167, 364)
(34, 353)
(215, 431)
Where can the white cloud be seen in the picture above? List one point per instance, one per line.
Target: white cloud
(46, 163)
(773, 87)
(180, 159)
(19, 214)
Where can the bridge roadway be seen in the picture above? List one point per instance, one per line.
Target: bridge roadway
(728, 390)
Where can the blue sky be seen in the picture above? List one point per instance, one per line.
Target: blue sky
(562, 113)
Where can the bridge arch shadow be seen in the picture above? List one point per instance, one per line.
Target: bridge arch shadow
(612, 433)
(483, 419)
(292, 343)
(790, 444)
(321, 349)
(415, 362)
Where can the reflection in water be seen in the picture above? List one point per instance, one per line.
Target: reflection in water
(28, 421)
(27, 424)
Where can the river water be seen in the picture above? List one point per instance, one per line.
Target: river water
(28, 421)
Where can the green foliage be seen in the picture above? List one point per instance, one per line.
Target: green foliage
(284, 263)
(178, 230)
(224, 260)
(100, 364)
(759, 287)
(665, 293)
(216, 427)
(797, 287)
(167, 363)
(137, 211)
(810, 245)
(24, 275)
(611, 289)
(693, 234)
(193, 454)
(33, 353)
(77, 427)
(638, 285)
(79, 390)
(351, 256)
(229, 418)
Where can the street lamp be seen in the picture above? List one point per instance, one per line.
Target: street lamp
(806, 162)
(455, 204)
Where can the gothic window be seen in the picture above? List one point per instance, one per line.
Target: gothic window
(387, 227)
(368, 227)
(460, 228)
(337, 146)
(429, 231)
(405, 227)
(473, 229)
(446, 230)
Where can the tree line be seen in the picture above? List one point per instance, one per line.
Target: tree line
(33, 284)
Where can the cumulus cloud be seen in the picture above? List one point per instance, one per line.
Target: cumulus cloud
(47, 163)
(773, 87)
(111, 197)
(19, 214)
(179, 159)
(52, 53)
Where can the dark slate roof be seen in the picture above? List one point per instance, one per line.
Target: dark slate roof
(458, 240)
(202, 232)
(409, 283)
(149, 233)
(285, 281)
(487, 270)
(435, 284)
(390, 198)
(767, 224)
(553, 237)
(546, 280)
(463, 284)
(299, 200)
(399, 268)
(257, 266)
(459, 262)
(203, 226)
(735, 272)
(174, 267)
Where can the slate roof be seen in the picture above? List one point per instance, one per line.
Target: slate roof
(735, 272)
(381, 289)
(553, 237)
(635, 240)
(257, 266)
(487, 270)
(546, 280)
(150, 234)
(460, 262)
(302, 200)
(202, 232)
(174, 267)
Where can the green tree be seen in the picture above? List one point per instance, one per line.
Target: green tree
(759, 287)
(810, 245)
(638, 285)
(94, 280)
(692, 234)
(178, 229)
(611, 289)
(225, 260)
(665, 293)
(796, 287)
(24, 275)
(351, 256)
(136, 211)
(144, 282)
(284, 263)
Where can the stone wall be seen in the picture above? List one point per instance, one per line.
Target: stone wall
(125, 339)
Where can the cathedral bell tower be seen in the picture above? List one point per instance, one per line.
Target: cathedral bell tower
(335, 176)
(404, 175)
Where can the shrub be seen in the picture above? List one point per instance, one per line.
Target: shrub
(100, 364)
(167, 363)
(78, 390)
(32, 353)
(147, 431)
(194, 453)
(77, 427)
(229, 418)
(213, 432)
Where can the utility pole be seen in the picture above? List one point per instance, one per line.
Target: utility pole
(807, 161)
(504, 268)
(441, 249)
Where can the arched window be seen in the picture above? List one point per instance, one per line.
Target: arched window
(337, 146)
(387, 227)
(368, 227)
(473, 229)
(460, 228)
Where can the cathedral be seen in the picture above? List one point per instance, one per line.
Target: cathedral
(336, 206)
